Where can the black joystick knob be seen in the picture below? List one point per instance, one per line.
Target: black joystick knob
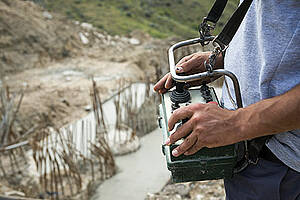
(180, 95)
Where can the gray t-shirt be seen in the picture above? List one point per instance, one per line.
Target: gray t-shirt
(265, 56)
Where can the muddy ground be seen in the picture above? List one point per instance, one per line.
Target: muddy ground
(204, 190)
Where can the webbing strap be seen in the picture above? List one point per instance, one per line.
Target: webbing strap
(233, 24)
(255, 146)
(216, 11)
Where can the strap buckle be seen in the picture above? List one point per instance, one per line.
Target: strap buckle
(253, 161)
(212, 59)
(205, 31)
(217, 43)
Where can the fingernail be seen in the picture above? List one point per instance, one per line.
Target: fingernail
(175, 152)
(179, 69)
(213, 102)
(167, 141)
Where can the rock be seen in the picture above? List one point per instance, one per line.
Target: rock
(177, 197)
(108, 37)
(14, 193)
(140, 35)
(83, 38)
(25, 84)
(199, 197)
(65, 102)
(182, 189)
(113, 43)
(88, 108)
(210, 190)
(168, 190)
(99, 35)
(124, 146)
(68, 78)
(86, 26)
(134, 41)
(47, 15)
(72, 73)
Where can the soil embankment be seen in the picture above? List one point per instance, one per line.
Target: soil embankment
(30, 37)
(53, 60)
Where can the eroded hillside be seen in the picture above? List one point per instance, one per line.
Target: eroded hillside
(53, 60)
(30, 37)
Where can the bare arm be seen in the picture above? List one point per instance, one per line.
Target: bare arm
(212, 126)
(271, 116)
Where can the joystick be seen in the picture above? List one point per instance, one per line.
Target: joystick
(179, 95)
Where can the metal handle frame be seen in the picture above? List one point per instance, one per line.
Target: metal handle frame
(199, 76)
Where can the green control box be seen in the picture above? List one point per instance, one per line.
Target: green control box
(207, 163)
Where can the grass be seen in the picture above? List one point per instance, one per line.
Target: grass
(159, 18)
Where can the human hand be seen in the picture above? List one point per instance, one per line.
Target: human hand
(208, 126)
(191, 64)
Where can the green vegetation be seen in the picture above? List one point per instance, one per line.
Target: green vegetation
(160, 18)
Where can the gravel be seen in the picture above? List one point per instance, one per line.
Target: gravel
(204, 190)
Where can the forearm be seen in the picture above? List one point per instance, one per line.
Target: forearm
(271, 116)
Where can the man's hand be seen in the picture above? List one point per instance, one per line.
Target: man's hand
(212, 126)
(208, 126)
(191, 64)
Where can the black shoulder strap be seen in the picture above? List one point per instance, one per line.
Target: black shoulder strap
(216, 11)
(233, 23)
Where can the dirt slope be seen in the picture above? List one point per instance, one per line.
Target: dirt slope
(30, 37)
(53, 60)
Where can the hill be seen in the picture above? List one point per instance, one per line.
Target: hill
(159, 18)
(30, 36)
(52, 59)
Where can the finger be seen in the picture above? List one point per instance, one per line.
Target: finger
(191, 64)
(181, 132)
(169, 82)
(187, 144)
(181, 65)
(184, 59)
(179, 114)
(161, 83)
(161, 91)
(195, 148)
